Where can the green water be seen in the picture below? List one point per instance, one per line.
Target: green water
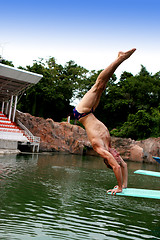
(46, 197)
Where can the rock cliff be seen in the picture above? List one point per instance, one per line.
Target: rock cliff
(64, 137)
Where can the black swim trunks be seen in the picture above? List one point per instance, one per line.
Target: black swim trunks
(78, 115)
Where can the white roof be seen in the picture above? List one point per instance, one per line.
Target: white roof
(13, 81)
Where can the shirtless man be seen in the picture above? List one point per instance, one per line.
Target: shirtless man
(97, 132)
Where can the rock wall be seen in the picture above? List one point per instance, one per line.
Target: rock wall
(151, 147)
(61, 137)
(64, 137)
(139, 151)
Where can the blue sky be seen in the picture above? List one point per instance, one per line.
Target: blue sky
(88, 32)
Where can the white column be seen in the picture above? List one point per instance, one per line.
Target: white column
(10, 108)
(68, 119)
(6, 108)
(2, 107)
(14, 109)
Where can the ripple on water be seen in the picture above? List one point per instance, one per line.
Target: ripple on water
(68, 202)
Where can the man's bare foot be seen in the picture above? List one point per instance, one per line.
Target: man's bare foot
(125, 55)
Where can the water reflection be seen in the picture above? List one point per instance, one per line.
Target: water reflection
(57, 196)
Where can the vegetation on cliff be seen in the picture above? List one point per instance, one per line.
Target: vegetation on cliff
(130, 106)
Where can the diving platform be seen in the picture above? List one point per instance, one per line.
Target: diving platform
(16, 132)
(13, 83)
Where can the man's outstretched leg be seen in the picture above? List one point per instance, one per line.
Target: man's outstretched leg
(97, 132)
(92, 97)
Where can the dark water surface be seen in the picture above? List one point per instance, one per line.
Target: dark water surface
(45, 197)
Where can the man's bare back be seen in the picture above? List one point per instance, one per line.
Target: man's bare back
(97, 132)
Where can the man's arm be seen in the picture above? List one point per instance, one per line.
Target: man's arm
(115, 166)
(124, 170)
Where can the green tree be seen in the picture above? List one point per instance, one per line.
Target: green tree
(127, 97)
(130, 106)
(52, 95)
(6, 62)
(138, 126)
(155, 115)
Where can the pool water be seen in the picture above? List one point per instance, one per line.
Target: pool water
(55, 196)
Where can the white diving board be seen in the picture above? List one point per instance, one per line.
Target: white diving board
(149, 173)
(143, 193)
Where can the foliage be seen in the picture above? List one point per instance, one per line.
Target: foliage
(138, 126)
(6, 62)
(131, 100)
(129, 107)
(51, 96)
(155, 115)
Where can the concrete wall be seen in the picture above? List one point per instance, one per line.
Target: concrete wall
(5, 144)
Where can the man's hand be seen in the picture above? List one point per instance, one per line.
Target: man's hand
(115, 190)
(123, 186)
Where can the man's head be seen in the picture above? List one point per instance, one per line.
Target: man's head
(116, 156)
(107, 164)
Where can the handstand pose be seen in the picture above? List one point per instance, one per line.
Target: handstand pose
(97, 132)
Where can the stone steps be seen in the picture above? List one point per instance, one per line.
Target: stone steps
(10, 131)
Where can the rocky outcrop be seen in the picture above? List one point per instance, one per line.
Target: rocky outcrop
(59, 137)
(64, 137)
(139, 151)
(151, 147)
(128, 149)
